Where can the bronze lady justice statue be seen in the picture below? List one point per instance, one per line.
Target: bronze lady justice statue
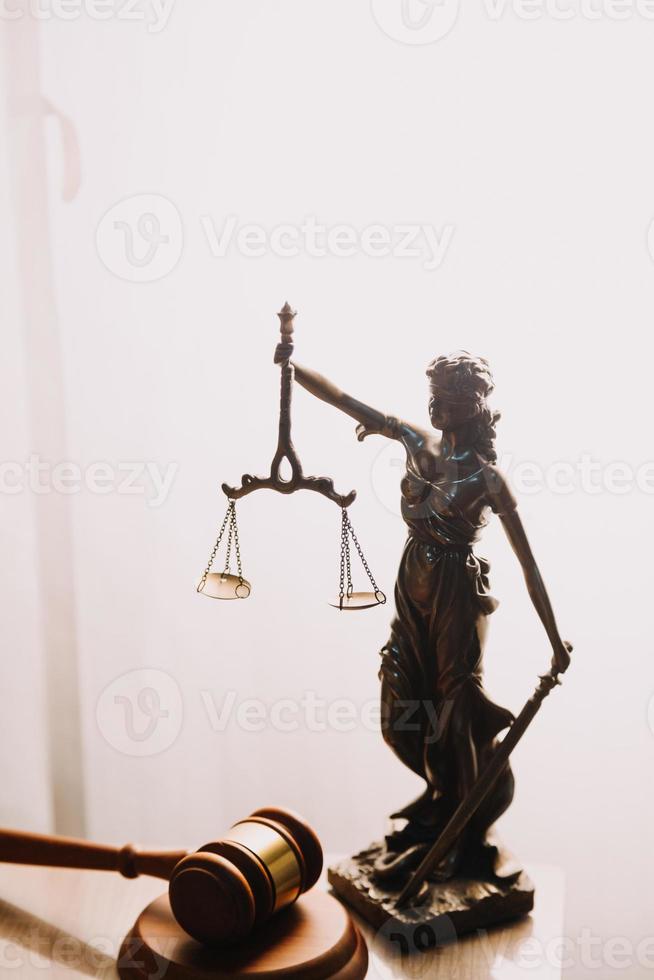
(436, 715)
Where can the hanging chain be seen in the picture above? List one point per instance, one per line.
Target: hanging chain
(232, 538)
(212, 556)
(345, 559)
(230, 534)
(237, 546)
(363, 558)
(346, 563)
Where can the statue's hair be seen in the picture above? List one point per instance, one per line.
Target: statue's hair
(466, 381)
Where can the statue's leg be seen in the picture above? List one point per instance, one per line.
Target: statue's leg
(451, 750)
(402, 719)
(455, 638)
(498, 800)
(469, 738)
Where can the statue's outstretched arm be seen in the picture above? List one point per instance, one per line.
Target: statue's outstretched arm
(371, 421)
(328, 392)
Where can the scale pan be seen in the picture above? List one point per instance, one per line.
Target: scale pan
(220, 586)
(359, 600)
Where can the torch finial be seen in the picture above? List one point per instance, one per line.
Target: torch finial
(286, 316)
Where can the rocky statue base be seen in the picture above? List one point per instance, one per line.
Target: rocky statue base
(445, 910)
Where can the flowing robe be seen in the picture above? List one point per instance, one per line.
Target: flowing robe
(436, 715)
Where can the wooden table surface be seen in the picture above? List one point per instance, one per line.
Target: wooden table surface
(60, 923)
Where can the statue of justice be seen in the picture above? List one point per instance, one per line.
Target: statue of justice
(436, 716)
(442, 598)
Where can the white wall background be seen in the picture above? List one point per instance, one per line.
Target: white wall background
(533, 141)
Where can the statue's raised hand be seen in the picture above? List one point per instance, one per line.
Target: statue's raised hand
(283, 352)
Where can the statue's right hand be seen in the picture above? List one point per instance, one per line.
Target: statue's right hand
(363, 431)
(283, 352)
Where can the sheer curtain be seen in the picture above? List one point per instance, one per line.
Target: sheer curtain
(42, 750)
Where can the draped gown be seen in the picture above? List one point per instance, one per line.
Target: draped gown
(436, 715)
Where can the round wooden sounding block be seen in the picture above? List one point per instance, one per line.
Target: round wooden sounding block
(314, 939)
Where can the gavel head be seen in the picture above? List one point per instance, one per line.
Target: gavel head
(220, 893)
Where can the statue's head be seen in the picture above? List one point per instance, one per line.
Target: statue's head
(459, 385)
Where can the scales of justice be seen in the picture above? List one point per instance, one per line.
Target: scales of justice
(244, 905)
(225, 585)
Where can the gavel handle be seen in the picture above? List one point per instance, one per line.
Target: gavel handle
(17, 847)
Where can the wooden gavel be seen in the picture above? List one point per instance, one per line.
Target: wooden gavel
(219, 893)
